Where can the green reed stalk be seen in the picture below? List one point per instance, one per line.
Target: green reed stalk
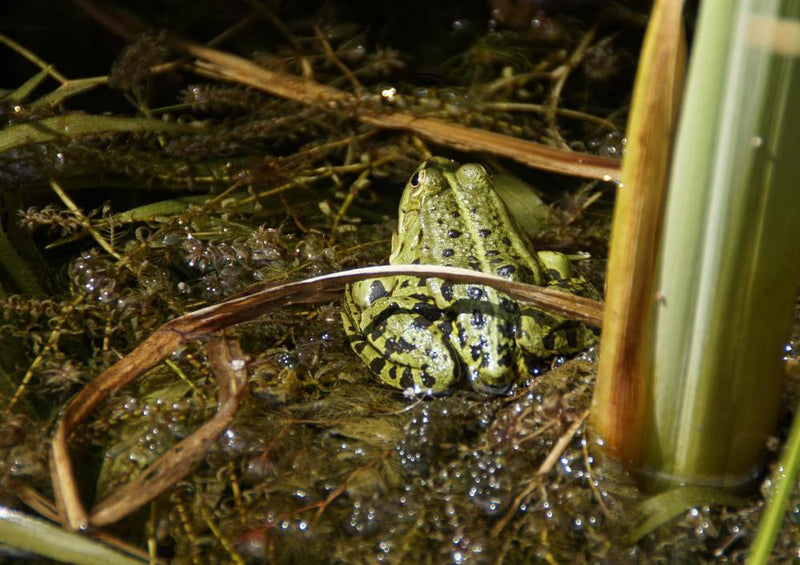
(729, 259)
(691, 396)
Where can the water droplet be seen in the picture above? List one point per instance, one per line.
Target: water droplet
(389, 94)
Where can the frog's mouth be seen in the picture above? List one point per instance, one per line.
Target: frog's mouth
(484, 388)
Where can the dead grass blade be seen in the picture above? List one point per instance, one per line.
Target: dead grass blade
(225, 66)
(227, 361)
(620, 395)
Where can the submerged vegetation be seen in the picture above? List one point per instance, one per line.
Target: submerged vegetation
(198, 187)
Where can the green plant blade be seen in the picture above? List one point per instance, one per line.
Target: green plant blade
(784, 480)
(71, 125)
(67, 90)
(24, 532)
(664, 506)
(26, 88)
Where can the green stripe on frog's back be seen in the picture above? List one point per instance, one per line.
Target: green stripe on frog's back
(463, 223)
(472, 228)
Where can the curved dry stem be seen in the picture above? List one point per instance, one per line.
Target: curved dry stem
(229, 367)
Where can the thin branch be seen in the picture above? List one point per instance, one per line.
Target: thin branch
(87, 223)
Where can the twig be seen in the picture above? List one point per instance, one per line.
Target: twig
(87, 223)
(225, 542)
(225, 66)
(561, 74)
(544, 468)
(561, 445)
(542, 109)
(52, 343)
(337, 62)
(590, 473)
(32, 57)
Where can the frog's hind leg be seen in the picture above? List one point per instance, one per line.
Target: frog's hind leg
(563, 276)
(406, 349)
(545, 335)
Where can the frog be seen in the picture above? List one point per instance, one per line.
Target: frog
(430, 335)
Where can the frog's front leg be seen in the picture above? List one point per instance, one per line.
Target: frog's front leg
(404, 342)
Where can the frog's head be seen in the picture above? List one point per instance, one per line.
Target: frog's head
(433, 177)
(430, 179)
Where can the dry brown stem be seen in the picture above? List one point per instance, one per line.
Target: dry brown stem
(228, 364)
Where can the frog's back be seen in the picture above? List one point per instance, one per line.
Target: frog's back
(467, 225)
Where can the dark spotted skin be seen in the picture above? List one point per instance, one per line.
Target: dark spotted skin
(430, 334)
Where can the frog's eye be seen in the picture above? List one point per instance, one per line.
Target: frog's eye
(417, 178)
(474, 173)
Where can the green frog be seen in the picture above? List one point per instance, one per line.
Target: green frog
(429, 334)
